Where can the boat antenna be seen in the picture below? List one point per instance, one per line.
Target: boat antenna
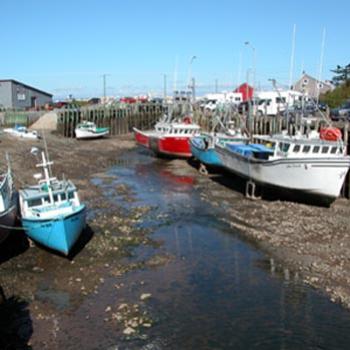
(46, 153)
(291, 67)
(321, 64)
(175, 73)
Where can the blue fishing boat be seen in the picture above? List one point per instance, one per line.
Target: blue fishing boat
(51, 211)
(203, 146)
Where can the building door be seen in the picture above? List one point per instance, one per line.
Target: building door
(33, 102)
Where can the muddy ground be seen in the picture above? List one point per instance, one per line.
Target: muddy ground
(312, 241)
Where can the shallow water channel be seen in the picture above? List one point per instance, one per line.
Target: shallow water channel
(218, 292)
(212, 290)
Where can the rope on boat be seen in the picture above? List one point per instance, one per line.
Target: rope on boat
(12, 227)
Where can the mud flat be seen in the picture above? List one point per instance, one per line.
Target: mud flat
(313, 241)
(102, 293)
(48, 286)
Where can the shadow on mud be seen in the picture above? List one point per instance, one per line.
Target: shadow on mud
(15, 323)
(15, 244)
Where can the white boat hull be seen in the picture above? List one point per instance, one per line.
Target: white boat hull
(87, 134)
(316, 176)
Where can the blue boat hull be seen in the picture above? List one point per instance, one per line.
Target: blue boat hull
(59, 234)
(205, 155)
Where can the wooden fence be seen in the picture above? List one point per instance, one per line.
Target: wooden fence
(119, 119)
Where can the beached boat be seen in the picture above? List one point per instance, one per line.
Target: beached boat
(51, 211)
(203, 146)
(315, 164)
(8, 205)
(169, 137)
(22, 132)
(89, 130)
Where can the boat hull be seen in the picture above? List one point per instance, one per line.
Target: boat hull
(206, 155)
(170, 146)
(86, 134)
(315, 176)
(59, 234)
(7, 221)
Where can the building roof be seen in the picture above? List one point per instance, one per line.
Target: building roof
(25, 85)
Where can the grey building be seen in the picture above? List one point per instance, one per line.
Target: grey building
(14, 94)
(311, 86)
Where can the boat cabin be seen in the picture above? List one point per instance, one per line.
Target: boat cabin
(301, 147)
(35, 200)
(178, 129)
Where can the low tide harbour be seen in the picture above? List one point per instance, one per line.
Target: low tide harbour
(159, 267)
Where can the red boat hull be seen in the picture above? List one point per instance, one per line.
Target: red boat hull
(168, 145)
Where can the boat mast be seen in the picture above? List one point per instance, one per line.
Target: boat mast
(46, 166)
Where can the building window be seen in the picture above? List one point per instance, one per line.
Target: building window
(306, 149)
(306, 81)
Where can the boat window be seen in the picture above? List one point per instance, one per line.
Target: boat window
(175, 131)
(316, 149)
(55, 198)
(63, 196)
(70, 195)
(296, 148)
(306, 149)
(46, 199)
(325, 149)
(334, 150)
(34, 202)
(284, 147)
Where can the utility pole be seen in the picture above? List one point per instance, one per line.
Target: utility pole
(104, 86)
(216, 86)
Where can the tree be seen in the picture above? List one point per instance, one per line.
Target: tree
(342, 74)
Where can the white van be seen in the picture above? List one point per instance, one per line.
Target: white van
(272, 102)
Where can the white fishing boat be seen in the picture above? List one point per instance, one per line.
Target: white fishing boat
(315, 164)
(22, 132)
(89, 130)
(51, 211)
(8, 206)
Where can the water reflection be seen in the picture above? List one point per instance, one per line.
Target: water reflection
(220, 292)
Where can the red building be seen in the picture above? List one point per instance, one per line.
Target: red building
(246, 90)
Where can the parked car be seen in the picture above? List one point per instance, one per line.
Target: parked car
(341, 112)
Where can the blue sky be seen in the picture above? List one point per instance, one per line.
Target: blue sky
(64, 47)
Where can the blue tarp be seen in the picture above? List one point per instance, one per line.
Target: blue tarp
(249, 149)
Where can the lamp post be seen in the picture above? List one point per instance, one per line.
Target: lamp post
(247, 43)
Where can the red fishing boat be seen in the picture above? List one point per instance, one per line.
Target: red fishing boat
(169, 138)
